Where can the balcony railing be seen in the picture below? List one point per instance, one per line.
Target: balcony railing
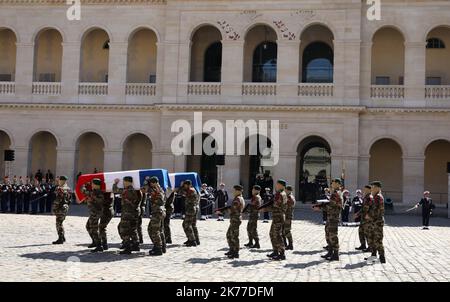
(46, 88)
(93, 89)
(436, 92)
(316, 89)
(387, 91)
(7, 87)
(204, 89)
(259, 89)
(140, 89)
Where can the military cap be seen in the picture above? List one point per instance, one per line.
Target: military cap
(367, 187)
(376, 183)
(289, 188)
(153, 179)
(97, 181)
(187, 182)
(338, 180)
(128, 178)
(257, 188)
(63, 177)
(238, 187)
(282, 182)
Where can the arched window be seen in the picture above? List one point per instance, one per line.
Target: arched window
(265, 62)
(318, 63)
(213, 63)
(435, 43)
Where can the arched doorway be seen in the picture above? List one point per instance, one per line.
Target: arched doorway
(206, 55)
(94, 56)
(89, 153)
(5, 144)
(48, 56)
(437, 155)
(438, 56)
(386, 165)
(314, 168)
(204, 165)
(42, 153)
(137, 152)
(142, 55)
(251, 163)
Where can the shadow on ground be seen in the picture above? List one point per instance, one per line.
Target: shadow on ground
(84, 256)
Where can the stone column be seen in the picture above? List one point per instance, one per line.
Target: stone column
(351, 173)
(70, 71)
(336, 166)
(112, 160)
(183, 70)
(415, 62)
(339, 70)
(363, 170)
(288, 68)
(65, 163)
(159, 67)
(231, 171)
(413, 178)
(24, 71)
(20, 167)
(117, 72)
(352, 70)
(366, 71)
(232, 68)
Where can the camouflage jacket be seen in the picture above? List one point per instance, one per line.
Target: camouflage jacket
(95, 200)
(255, 203)
(334, 207)
(237, 205)
(290, 206)
(62, 199)
(376, 211)
(157, 200)
(278, 207)
(191, 201)
(130, 202)
(169, 203)
(367, 203)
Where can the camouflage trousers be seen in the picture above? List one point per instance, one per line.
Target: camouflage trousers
(287, 229)
(233, 235)
(105, 218)
(190, 227)
(60, 217)
(331, 234)
(375, 232)
(156, 231)
(139, 228)
(252, 228)
(92, 227)
(128, 229)
(276, 235)
(363, 232)
(167, 232)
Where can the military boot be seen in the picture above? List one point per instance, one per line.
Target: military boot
(105, 245)
(273, 254)
(59, 241)
(126, 249)
(382, 259)
(233, 255)
(256, 245)
(122, 246)
(93, 244)
(191, 243)
(156, 252)
(64, 238)
(164, 249)
(169, 240)
(279, 257)
(285, 241)
(197, 241)
(334, 256)
(98, 248)
(367, 250)
(290, 246)
(330, 251)
(228, 253)
(361, 248)
(186, 242)
(326, 247)
(135, 247)
(249, 244)
(141, 239)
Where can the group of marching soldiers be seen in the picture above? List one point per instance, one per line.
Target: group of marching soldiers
(22, 196)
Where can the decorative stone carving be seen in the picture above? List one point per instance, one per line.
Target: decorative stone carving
(282, 27)
(231, 34)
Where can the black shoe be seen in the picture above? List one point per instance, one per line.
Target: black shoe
(135, 247)
(164, 249)
(233, 255)
(327, 254)
(289, 247)
(334, 256)
(279, 257)
(59, 241)
(249, 244)
(105, 245)
(168, 241)
(191, 243)
(256, 245)
(186, 243)
(93, 244)
(361, 248)
(367, 250)
(326, 247)
(228, 253)
(382, 259)
(272, 255)
(197, 241)
(122, 246)
(64, 238)
(156, 252)
(99, 248)
(141, 240)
(126, 251)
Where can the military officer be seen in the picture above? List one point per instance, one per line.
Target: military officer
(61, 206)
(253, 216)
(363, 230)
(235, 210)
(287, 236)
(192, 199)
(130, 213)
(155, 227)
(169, 210)
(278, 209)
(427, 207)
(95, 200)
(376, 215)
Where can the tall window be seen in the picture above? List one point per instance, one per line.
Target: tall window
(318, 63)
(265, 62)
(213, 63)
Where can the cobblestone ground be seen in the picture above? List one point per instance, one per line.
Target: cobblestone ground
(26, 254)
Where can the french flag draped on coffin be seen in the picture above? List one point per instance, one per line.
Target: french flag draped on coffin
(109, 177)
(177, 178)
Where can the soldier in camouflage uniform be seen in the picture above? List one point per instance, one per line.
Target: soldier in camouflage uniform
(363, 230)
(169, 210)
(130, 213)
(235, 210)
(333, 209)
(376, 216)
(95, 200)
(192, 200)
(118, 191)
(155, 227)
(253, 216)
(278, 209)
(143, 206)
(105, 218)
(61, 206)
(287, 236)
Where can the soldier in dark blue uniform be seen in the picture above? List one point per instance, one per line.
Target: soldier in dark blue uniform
(427, 207)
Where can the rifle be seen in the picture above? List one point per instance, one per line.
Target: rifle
(223, 209)
(267, 204)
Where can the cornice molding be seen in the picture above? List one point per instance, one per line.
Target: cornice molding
(98, 2)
